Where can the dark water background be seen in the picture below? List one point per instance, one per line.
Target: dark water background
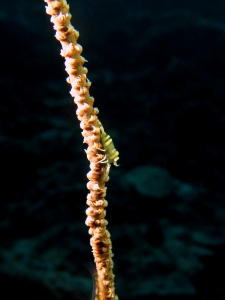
(158, 77)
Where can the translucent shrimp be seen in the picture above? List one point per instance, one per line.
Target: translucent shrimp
(92, 269)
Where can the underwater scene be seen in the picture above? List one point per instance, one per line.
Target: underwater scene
(157, 70)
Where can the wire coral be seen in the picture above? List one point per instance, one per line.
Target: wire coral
(99, 156)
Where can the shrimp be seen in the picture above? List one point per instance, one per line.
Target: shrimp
(112, 155)
(92, 269)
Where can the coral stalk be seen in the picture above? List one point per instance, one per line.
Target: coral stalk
(91, 131)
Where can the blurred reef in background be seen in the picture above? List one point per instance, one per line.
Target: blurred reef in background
(158, 77)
